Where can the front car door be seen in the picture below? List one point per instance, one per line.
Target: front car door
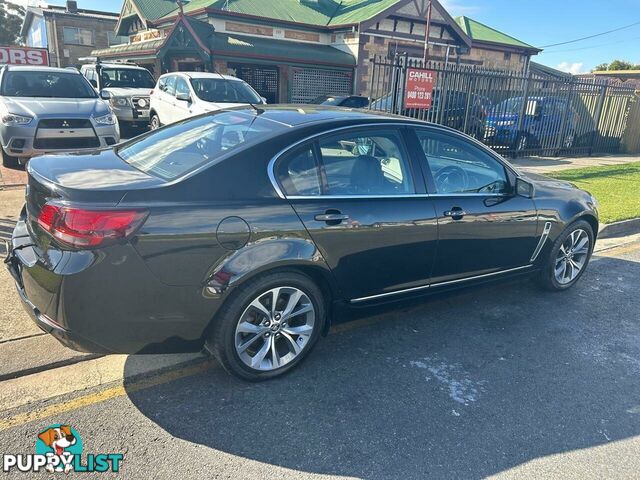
(181, 108)
(165, 105)
(483, 226)
(362, 200)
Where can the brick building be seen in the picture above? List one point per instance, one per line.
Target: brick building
(69, 33)
(294, 50)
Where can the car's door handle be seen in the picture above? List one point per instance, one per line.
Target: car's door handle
(331, 218)
(456, 213)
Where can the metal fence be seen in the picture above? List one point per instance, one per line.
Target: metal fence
(514, 113)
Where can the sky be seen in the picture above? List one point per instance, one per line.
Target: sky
(539, 23)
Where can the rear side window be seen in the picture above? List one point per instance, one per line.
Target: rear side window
(176, 150)
(298, 173)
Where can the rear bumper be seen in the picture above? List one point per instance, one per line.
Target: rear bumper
(71, 296)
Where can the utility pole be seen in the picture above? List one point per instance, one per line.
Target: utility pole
(426, 35)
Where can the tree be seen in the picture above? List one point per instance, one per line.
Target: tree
(11, 16)
(616, 65)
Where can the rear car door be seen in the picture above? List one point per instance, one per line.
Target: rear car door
(483, 227)
(362, 200)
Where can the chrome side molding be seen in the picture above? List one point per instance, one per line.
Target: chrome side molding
(543, 239)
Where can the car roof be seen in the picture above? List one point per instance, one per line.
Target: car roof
(293, 115)
(33, 68)
(118, 65)
(204, 75)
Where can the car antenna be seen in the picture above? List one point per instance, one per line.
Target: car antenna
(259, 111)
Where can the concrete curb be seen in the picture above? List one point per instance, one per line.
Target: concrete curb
(620, 229)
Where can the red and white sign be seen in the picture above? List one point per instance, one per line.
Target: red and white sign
(24, 56)
(419, 91)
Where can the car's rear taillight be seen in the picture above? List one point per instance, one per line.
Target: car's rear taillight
(82, 228)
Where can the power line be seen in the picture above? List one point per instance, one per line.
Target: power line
(592, 36)
(592, 46)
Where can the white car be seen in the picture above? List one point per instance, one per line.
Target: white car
(181, 95)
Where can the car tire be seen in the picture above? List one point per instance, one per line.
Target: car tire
(240, 323)
(559, 270)
(8, 160)
(154, 122)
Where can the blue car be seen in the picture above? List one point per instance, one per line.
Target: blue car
(549, 122)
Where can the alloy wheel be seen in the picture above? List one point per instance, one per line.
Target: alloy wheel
(572, 256)
(155, 122)
(274, 329)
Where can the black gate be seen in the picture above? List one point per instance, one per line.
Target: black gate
(514, 113)
(263, 78)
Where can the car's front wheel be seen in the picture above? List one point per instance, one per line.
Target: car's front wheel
(154, 122)
(268, 326)
(568, 258)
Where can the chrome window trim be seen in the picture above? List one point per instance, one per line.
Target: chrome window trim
(439, 284)
(284, 151)
(541, 242)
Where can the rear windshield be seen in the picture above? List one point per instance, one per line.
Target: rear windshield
(218, 90)
(46, 84)
(176, 150)
(126, 78)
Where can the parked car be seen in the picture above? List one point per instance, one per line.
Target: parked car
(248, 230)
(349, 101)
(448, 108)
(542, 125)
(182, 95)
(45, 109)
(126, 87)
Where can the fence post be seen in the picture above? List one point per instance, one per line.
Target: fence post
(470, 93)
(563, 122)
(523, 111)
(597, 116)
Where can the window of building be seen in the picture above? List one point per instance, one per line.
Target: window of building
(116, 39)
(77, 36)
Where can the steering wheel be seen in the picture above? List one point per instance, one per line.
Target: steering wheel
(451, 179)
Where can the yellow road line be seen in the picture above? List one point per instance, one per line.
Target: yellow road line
(102, 396)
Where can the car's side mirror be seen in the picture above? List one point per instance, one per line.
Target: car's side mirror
(264, 100)
(105, 95)
(523, 188)
(183, 97)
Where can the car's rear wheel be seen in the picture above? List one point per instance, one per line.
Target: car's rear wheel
(268, 326)
(155, 122)
(568, 258)
(8, 160)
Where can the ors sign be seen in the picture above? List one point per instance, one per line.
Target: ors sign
(419, 91)
(23, 56)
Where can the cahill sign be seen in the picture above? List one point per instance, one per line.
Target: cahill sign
(419, 91)
(24, 56)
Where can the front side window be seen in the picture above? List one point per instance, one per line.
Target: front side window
(175, 150)
(126, 78)
(220, 90)
(77, 36)
(458, 167)
(181, 87)
(366, 163)
(45, 84)
(168, 84)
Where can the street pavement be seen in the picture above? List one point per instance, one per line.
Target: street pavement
(503, 381)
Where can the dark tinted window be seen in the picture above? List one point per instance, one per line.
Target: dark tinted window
(298, 173)
(182, 147)
(355, 102)
(218, 90)
(126, 77)
(366, 163)
(458, 167)
(46, 84)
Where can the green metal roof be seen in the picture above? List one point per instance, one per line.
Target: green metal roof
(231, 45)
(152, 9)
(482, 33)
(320, 12)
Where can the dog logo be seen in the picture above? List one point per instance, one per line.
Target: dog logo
(61, 441)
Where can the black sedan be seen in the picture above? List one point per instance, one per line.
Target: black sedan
(248, 230)
(347, 101)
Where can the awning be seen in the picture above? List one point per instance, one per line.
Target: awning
(130, 49)
(282, 51)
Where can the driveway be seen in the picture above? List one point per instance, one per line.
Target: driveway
(503, 380)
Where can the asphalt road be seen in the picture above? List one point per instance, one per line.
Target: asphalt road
(503, 380)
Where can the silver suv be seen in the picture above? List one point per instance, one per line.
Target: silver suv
(45, 109)
(126, 87)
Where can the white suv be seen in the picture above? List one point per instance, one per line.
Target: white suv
(181, 95)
